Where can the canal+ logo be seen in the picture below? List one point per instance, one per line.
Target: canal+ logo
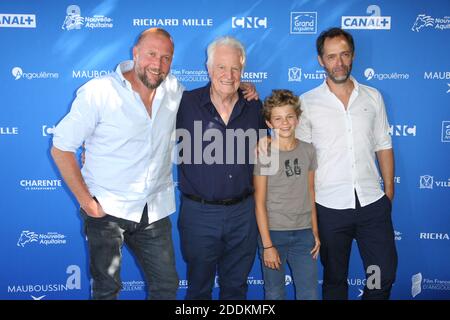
(373, 22)
(12, 20)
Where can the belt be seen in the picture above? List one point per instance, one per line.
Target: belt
(225, 202)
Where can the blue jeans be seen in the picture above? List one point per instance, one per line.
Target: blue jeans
(294, 249)
(150, 243)
(218, 238)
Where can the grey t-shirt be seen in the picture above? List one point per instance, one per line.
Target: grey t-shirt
(288, 201)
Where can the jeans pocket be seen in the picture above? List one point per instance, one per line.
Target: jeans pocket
(86, 216)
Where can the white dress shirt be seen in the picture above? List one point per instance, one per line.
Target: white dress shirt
(346, 142)
(128, 154)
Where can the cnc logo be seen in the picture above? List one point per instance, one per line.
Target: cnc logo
(249, 22)
(402, 130)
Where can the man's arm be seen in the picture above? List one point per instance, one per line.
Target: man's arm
(315, 229)
(70, 171)
(386, 162)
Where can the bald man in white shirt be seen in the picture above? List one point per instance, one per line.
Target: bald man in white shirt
(125, 189)
(347, 123)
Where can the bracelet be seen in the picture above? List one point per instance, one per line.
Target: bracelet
(268, 247)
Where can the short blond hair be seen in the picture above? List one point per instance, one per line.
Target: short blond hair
(280, 98)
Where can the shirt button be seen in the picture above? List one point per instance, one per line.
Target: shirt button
(230, 176)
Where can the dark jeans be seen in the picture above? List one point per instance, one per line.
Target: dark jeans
(218, 238)
(150, 243)
(372, 228)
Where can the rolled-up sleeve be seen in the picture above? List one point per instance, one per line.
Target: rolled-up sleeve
(79, 123)
(383, 140)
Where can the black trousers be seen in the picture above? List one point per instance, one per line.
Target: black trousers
(372, 228)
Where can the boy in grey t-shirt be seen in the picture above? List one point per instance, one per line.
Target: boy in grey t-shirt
(285, 208)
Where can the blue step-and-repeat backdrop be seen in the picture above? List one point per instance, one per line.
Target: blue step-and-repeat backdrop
(50, 48)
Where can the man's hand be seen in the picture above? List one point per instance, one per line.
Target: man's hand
(263, 146)
(93, 209)
(249, 91)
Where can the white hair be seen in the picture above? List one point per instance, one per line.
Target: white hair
(224, 41)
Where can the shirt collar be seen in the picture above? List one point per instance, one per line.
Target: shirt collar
(327, 89)
(205, 99)
(121, 68)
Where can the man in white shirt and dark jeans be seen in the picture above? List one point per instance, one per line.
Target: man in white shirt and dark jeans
(125, 189)
(347, 123)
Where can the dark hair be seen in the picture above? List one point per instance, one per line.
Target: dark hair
(332, 33)
(280, 98)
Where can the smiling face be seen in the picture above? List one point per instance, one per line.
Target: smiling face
(283, 120)
(225, 70)
(152, 57)
(337, 59)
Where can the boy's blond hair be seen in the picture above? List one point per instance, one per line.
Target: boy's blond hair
(279, 98)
